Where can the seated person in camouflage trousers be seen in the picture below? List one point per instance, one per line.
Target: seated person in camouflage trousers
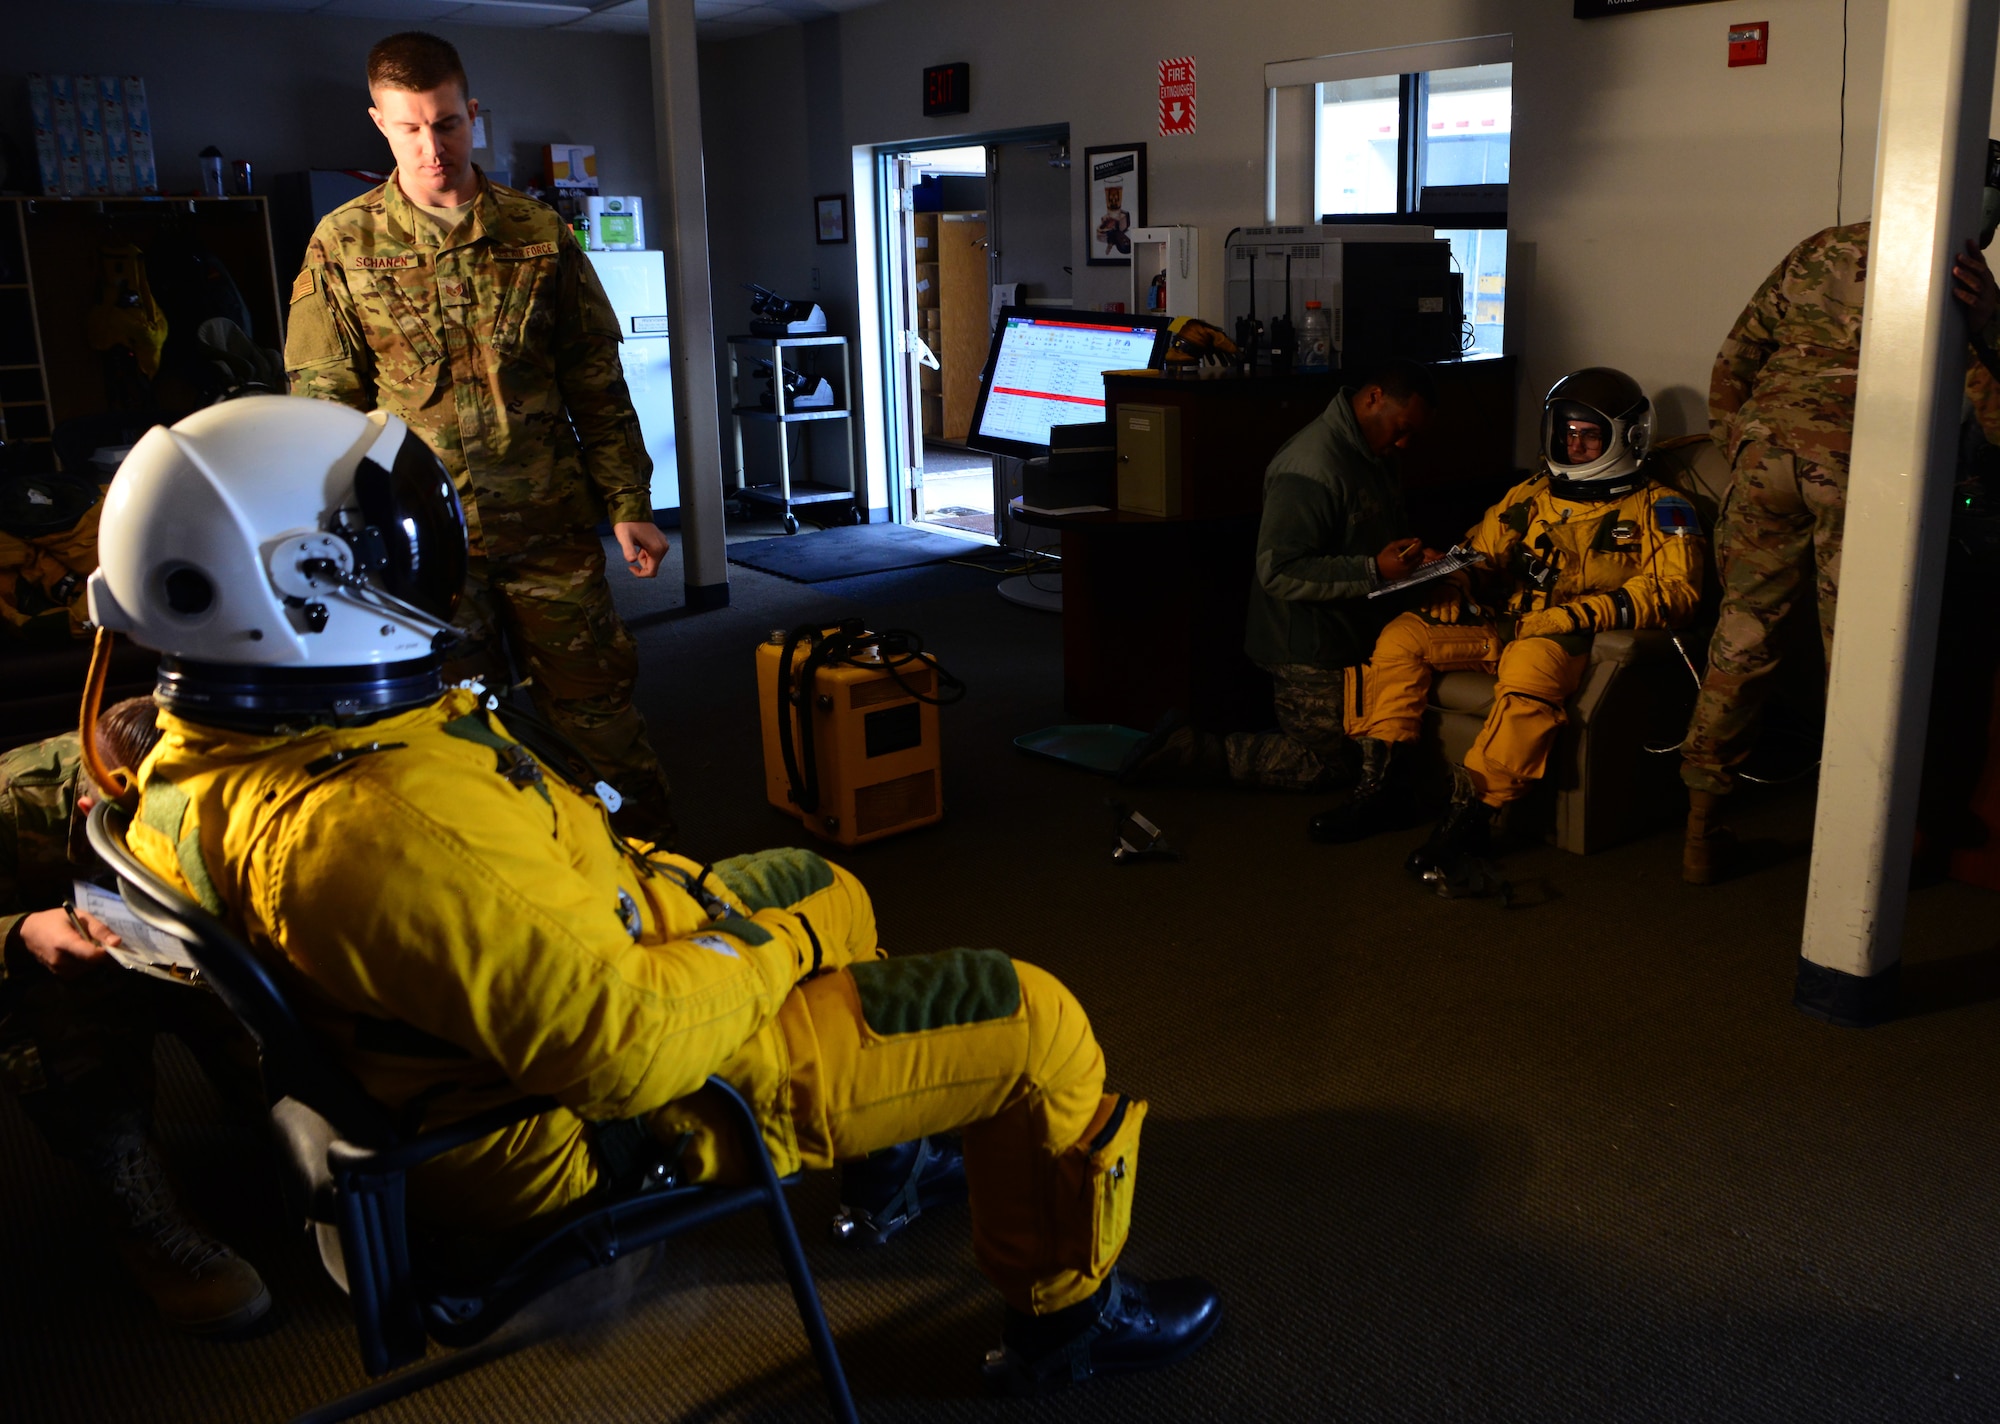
(1333, 528)
(1588, 545)
(428, 880)
(76, 1032)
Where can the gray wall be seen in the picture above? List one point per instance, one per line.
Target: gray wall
(287, 91)
(1653, 186)
(1034, 222)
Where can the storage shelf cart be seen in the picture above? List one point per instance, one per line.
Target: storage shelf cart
(788, 495)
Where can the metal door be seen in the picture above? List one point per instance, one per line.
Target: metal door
(908, 354)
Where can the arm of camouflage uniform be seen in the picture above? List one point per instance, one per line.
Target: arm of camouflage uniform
(1982, 386)
(325, 355)
(1302, 522)
(593, 388)
(1748, 346)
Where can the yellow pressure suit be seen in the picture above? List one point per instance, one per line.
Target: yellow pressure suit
(465, 929)
(1560, 571)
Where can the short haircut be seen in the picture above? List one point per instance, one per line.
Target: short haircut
(1401, 381)
(417, 62)
(127, 731)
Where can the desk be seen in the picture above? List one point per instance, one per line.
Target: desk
(1154, 609)
(1152, 614)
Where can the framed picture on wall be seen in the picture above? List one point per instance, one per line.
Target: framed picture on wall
(1115, 201)
(830, 217)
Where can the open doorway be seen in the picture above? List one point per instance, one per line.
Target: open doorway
(967, 228)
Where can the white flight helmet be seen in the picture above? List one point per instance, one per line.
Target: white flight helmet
(289, 556)
(1612, 401)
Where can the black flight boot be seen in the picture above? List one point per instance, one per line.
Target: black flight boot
(1381, 797)
(1128, 1326)
(885, 1191)
(1465, 829)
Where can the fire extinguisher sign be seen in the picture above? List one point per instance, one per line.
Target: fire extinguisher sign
(1177, 96)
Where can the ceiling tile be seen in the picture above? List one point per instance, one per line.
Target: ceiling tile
(518, 13)
(412, 10)
(714, 19)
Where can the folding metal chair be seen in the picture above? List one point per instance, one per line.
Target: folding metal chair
(352, 1165)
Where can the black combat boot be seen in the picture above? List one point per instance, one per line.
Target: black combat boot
(1465, 829)
(885, 1191)
(1176, 753)
(1381, 799)
(1128, 1326)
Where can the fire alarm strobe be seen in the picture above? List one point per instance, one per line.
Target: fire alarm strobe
(1749, 44)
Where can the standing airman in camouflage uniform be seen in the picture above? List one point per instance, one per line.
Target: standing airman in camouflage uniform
(468, 310)
(76, 1032)
(1781, 405)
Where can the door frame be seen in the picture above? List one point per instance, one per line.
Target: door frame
(892, 435)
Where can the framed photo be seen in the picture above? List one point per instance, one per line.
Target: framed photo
(830, 217)
(1114, 179)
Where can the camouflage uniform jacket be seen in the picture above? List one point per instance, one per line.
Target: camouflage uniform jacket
(39, 830)
(1787, 371)
(495, 342)
(1631, 561)
(1330, 504)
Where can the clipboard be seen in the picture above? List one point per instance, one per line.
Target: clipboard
(1459, 557)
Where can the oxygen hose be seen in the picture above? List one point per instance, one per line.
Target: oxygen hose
(117, 783)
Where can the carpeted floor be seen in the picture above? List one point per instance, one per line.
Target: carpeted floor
(1576, 1160)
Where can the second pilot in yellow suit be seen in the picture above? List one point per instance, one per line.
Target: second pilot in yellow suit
(463, 927)
(1588, 545)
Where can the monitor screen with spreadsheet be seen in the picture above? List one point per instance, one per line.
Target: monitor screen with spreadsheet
(1047, 368)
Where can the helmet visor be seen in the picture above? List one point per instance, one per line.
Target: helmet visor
(1578, 435)
(414, 540)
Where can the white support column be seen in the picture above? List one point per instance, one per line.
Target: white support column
(684, 233)
(1937, 86)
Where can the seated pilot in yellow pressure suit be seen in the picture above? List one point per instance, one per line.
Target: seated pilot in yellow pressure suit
(465, 927)
(1588, 545)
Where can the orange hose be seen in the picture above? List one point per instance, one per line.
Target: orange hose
(117, 783)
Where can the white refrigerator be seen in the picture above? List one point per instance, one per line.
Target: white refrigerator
(636, 282)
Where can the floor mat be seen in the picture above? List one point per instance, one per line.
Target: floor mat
(839, 553)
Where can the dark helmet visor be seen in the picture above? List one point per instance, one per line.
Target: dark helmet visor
(415, 526)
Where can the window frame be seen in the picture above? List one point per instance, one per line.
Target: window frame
(1413, 109)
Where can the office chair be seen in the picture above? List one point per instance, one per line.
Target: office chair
(352, 1164)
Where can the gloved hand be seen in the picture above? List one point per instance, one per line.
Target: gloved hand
(1547, 623)
(1448, 597)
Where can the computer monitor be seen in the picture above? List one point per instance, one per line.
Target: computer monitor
(1047, 368)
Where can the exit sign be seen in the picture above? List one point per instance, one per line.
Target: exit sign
(947, 89)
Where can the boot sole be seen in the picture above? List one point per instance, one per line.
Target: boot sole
(1009, 1380)
(241, 1318)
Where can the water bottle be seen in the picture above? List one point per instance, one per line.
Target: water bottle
(1315, 339)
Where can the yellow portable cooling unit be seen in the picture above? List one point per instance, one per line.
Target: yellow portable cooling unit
(850, 724)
